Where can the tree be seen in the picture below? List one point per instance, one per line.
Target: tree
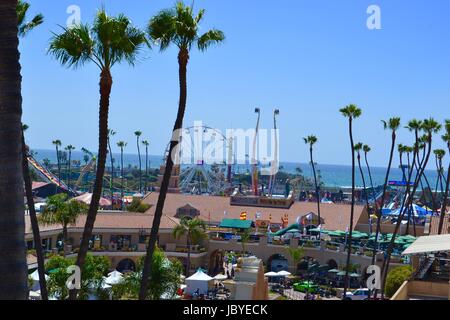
(24, 27)
(110, 41)
(13, 285)
(358, 147)
(396, 278)
(439, 156)
(94, 269)
(146, 144)
(180, 27)
(121, 145)
(33, 217)
(138, 134)
(194, 230)
(311, 140)
(296, 255)
(351, 112)
(57, 143)
(245, 238)
(60, 211)
(111, 133)
(366, 150)
(446, 138)
(164, 281)
(46, 162)
(69, 149)
(393, 124)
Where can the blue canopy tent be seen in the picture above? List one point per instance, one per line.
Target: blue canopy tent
(417, 211)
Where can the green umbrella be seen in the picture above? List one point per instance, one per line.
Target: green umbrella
(293, 231)
(314, 230)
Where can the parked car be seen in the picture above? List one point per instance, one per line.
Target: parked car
(359, 294)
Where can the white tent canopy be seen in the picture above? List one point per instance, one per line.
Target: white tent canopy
(271, 274)
(114, 277)
(199, 282)
(439, 243)
(221, 277)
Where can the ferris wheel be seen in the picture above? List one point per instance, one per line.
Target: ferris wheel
(205, 154)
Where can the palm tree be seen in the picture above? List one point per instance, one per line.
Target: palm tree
(351, 112)
(69, 149)
(446, 138)
(439, 155)
(392, 124)
(57, 143)
(33, 217)
(46, 162)
(296, 255)
(430, 126)
(59, 210)
(110, 41)
(121, 145)
(180, 27)
(194, 230)
(13, 267)
(138, 134)
(111, 181)
(25, 27)
(146, 144)
(358, 147)
(311, 140)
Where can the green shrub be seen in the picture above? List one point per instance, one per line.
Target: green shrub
(395, 279)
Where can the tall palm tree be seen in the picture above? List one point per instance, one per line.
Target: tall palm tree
(13, 267)
(69, 149)
(109, 41)
(121, 145)
(194, 230)
(146, 144)
(311, 140)
(33, 217)
(111, 133)
(392, 124)
(430, 126)
(351, 112)
(439, 156)
(180, 27)
(367, 149)
(446, 138)
(57, 143)
(358, 147)
(24, 27)
(138, 135)
(59, 210)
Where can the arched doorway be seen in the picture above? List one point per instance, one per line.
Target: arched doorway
(126, 265)
(332, 264)
(216, 262)
(277, 262)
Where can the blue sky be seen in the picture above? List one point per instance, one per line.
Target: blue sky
(307, 58)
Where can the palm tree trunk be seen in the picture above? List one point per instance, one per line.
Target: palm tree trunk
(105, 91)
(121, 174)
(68, 176)
(183, 57)
(65, 237)
(34, 222)
(349, 238)
(146, 169)
(188, 265)
(111, 181)
(58, 161)
(13, 267)
(364, 186)
(140, 165)
(444, 203)
(400, 218)
(315, 183)
(380, 213)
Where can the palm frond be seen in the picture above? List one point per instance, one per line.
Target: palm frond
(209, 38)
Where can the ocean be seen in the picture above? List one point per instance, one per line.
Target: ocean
(331, 175)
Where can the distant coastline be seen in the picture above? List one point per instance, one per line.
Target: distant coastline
(332, 175)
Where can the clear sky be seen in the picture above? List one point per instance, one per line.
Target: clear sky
(307, 58)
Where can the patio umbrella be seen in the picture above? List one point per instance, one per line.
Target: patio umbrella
(271, 274)
(314, 230)
(35, 276)
(283, 273)
(354, 275)
(114, 278)
(220, 277)
(334, 271)
(293, 231)
(341, 273)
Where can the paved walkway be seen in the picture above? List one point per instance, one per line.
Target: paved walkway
(291, 294)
